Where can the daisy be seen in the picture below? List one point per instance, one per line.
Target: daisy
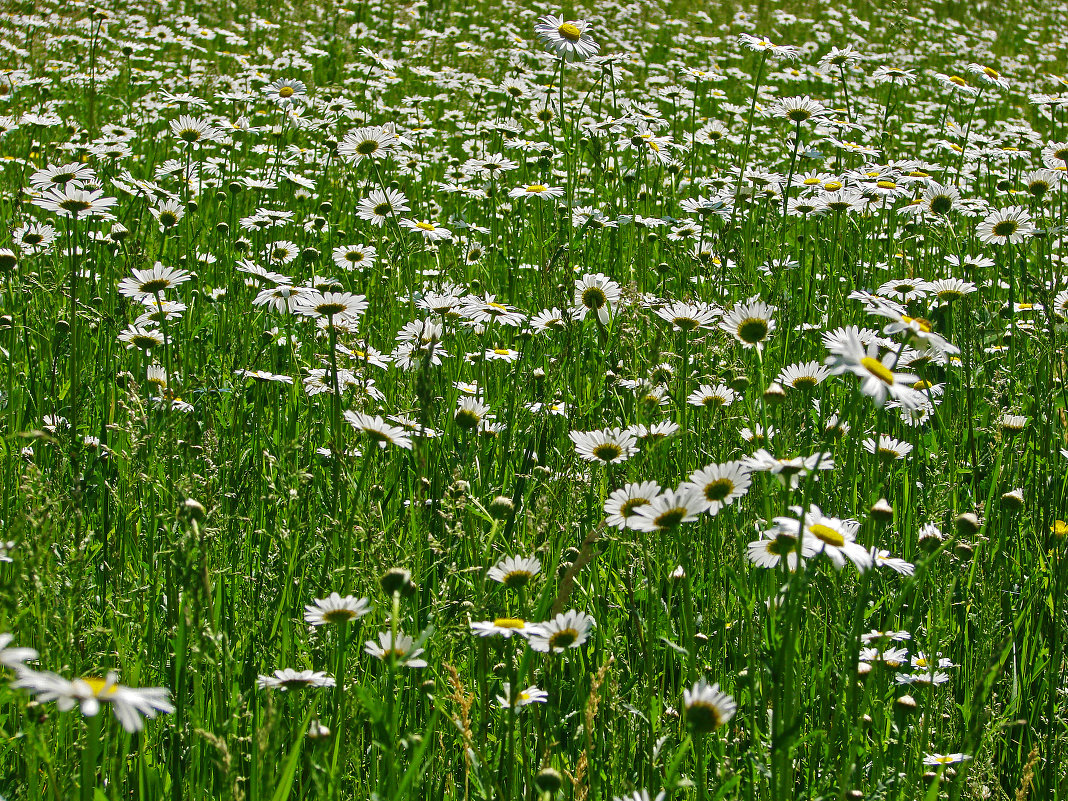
(833, 537)
(503, 627)
(381, 205)
(536, 190)
(688, 317)
(798, 109)
(72, 201)
(762, 44)
(470, 412)
(131, 705)
(402, 650)
(789, 472)
(431, 232)
(878, 379)
(378, 430)
(887, 448)
(141, 337)
(707, 708)
(168, 214)
(1011, 225)
(14, 658)
(286, 91)
(316, 304)
(569, 39)
(941, 760)
(153, 281)
(620, 506)
(335, 609)
(721, 484)
(531, 695)
(290, 679)
(515, 572)
(608, 446)
(882, 558)
(775, 545)
(372, 142)
(35, 237)
(668, 511)
(568, 629)
(712, 397)
(750, 322)
(598, 293)
(192, 131)
(804, 377)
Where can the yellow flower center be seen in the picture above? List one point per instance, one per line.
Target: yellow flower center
(509, 623)
(958, 80)
(827, 534)
(425, 226)
(878, 369)
(922, 323)
(501, 351)
(286, 91)
(100, 687)
(570, 32)
(536, 189)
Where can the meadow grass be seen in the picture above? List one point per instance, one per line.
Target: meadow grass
(449, 400)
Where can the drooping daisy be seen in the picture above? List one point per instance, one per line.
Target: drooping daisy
(569, 39)
(879, 381)
(378, 430)
(882, 558)
(568, 629)
(335, 609)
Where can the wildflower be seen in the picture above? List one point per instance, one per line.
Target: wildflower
(750, 322)
(402, 650)
(1011, 225)
(707, 708)
(515, 572)
(941, 760)
(668, 511)
(789, 472)
(879, 381)
(606, 447)
(290, 679)
(131, 705)
(531, 695)
(597, 293)
(378, 430)
(14, 658)
(568, 629)
(721, 484)
(153, 281)
(335, 609)
(503, 627)
(620, 506)
(569, 39)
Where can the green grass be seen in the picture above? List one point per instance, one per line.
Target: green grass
(177, 540)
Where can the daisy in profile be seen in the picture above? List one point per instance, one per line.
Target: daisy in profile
(761, 44)
(569, 39)
(620, 506)
(531, 695)
(804, 377)
(707, 708)
(670, 510)
(335, 609)
(430, 231)
(131, 705)
(568, 629)
(942, 760)
(153, 281)
(789, 472)
(597, 293)
(316, 304)
(887, 448)
(1011, 225)
(878, 379)
(721, 484)
(712, 397)
(506, 627)
(536, 190)
(750, 322)
(402, 650)
(73, 201)
(290, 679)
(378, 430)
(608, 446)
(688, 317)
(882, 558)
(515, 572)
